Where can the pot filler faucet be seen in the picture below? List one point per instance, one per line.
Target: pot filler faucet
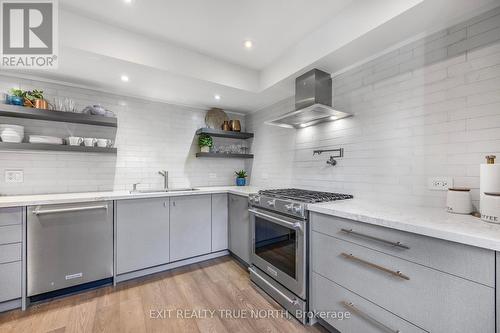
(164, 173)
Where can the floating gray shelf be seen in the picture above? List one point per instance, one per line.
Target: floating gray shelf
(7, 110)
(224, 134)
(44, 146)
(222, 155)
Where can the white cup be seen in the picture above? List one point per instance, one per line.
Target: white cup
(459, 201)
(103, 143)
(89, 142)
(74, 140)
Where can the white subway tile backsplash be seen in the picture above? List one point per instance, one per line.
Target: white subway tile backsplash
(430, 108)
(150, 137)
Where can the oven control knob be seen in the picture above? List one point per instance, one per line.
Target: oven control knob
(271, 203)
(251, 199)
(289, 207)
(297, 209)
(256, 200)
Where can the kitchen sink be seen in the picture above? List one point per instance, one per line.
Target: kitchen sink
(182, 189)
(164, 191)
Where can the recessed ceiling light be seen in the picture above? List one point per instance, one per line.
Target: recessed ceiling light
(127, 1)
(248, 44)
(124, 78)
(333, 118)
(217, 97)
(302, 125)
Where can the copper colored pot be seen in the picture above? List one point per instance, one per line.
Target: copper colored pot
(235, 126)
(41, 104)
(226, 126)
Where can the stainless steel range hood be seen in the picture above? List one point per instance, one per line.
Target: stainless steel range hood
(313, 102)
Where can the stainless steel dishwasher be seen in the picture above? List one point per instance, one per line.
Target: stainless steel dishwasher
(68, 245)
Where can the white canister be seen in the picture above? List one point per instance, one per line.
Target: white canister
(490, 207)
(459, 201)
(490, 178)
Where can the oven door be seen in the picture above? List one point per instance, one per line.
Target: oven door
(279, 248)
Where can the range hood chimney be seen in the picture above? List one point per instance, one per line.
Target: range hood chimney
(313, 102)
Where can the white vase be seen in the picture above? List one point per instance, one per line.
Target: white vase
(205, 149)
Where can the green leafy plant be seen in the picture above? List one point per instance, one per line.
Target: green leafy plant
(16, 92)
(205, 140)
(34, 94)
(241, 174)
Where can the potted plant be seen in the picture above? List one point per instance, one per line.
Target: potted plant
(205, 142)
(241, 177)
(35, 99)
(16, 96)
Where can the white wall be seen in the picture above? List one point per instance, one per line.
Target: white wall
(150, 137)
(430, 108)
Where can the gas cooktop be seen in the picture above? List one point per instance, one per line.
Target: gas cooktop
(304, 195)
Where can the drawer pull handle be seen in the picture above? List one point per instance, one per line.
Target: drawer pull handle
(367, 263)
(354, 309)
(396, 244)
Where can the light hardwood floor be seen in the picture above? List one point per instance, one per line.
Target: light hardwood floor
(218, 284)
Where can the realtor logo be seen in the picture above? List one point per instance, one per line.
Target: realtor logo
(29, 33)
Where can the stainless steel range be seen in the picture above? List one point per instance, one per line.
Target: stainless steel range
(279, 222)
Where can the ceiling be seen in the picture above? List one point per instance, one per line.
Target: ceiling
(187, 51)
(217, 28)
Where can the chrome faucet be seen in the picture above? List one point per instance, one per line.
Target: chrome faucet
(164, 173)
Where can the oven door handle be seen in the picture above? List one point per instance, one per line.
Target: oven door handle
(285, 223)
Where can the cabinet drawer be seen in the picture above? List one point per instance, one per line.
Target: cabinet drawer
(328, 298)
(10, 216)
(10, 234)
(469, 262)
(433, 300)
(10, 281)
(10, 253)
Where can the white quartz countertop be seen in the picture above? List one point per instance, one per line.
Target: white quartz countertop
(427, 221)
(45, 199)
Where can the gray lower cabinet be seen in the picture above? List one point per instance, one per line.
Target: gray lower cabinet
(430, 299)
(239, 227)
(10, 281)
(350, 313)
(497, 255)
(219, 222)
(190, 226)
(11, 226)
(142, 233)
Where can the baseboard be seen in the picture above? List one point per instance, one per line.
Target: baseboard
(326, 325)
(166, 267)
(10, 305)
(239, 260)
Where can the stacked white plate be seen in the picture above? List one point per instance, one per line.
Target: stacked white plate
(11, 133)
(45, 139)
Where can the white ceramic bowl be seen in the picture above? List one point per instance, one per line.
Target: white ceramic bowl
(12, 129)
(12, 138)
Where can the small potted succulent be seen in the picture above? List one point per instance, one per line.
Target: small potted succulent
(241, 177)
(16, 97)
(205, 142)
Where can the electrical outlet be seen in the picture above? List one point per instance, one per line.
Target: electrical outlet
(14, 176)
(440, 183)
(212, 175)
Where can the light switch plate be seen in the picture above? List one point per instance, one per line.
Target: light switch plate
(14, 176)
(212, 175)
(439, 183)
